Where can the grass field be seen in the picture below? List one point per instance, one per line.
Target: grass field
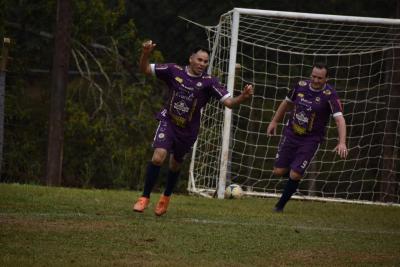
(43, 226)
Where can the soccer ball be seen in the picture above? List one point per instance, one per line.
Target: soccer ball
(233, 191)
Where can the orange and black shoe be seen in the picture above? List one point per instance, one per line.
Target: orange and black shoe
(162, 205)
(141, 204)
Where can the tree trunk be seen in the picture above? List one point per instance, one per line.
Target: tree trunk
(58, 88)
(3, 69)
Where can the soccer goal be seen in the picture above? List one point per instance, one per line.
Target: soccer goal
(273, 50)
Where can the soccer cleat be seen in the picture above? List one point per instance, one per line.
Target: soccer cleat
(141, 204)
(162, 205)
(276, 209)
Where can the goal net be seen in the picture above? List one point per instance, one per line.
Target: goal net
(273, 51)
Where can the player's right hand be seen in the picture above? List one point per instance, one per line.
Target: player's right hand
(271, 129)
(148, 46)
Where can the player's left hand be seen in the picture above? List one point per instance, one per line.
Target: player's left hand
(341, 150)
(248, 91)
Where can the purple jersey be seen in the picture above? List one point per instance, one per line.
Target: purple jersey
(188, 94)
(312, 110)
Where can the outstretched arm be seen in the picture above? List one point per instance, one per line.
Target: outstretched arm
(284, 107)
(144, 65)
(247, 92)
(341, 147)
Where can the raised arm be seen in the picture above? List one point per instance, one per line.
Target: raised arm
(284, 107)
(341, 147)
(247, 92)
(144, 65)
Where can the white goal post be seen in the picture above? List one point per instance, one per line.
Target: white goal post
(273, 50)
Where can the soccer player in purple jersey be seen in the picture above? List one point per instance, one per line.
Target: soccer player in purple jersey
(311, 104)
(190, 89)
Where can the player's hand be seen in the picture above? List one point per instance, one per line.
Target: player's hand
(341, 150)
(271, 129)
(148, 46)
(248, 91)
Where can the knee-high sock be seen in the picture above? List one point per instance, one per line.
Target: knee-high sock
(171, 182)
(288, 191)
(152, 173)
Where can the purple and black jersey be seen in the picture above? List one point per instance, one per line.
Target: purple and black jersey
(188, 95)
(312, 110)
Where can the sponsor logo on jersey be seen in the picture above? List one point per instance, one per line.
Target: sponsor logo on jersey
(297, 129)
(161, 135)
(179, 80)
(186, 87)
(317, 99)
(301, 118)
(181, 107)
(305, 101)
(199, 84)
(327, 92)
(186, 96)
(302, 83)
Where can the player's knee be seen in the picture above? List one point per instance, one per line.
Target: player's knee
(158, 159)
(279, 171)
(159, 156)
(295, 175)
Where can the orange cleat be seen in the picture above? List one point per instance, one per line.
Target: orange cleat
(141, 204)
(162, 205)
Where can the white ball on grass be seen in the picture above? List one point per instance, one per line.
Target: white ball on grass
(233, 191)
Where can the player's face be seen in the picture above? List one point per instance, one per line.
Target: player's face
(198, 62)
(318, 78)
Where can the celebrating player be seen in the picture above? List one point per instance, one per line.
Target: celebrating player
(311, 103)
(190, 89)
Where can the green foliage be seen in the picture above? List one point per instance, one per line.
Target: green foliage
(24, 148)
(109, 120)
(108, 147)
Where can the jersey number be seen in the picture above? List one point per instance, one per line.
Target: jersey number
(304, 164)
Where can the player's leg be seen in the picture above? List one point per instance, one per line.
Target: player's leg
(290, 188)
(173, 175)
(153, 170)
(172, 179)
(162, 143)
(181, 147)
(305, 153)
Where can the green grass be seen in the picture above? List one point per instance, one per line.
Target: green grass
(43, 226)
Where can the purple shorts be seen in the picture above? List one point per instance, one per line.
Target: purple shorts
(168, 137)
(295, 154)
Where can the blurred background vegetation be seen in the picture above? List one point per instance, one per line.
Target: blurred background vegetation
(110, 107)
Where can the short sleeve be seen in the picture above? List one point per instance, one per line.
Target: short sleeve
(335, 105)
(218, 90)
(291, 96)
(162, 71)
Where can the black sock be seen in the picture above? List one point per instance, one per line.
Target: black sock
(288, 191)
(151, 178)
(171, 182)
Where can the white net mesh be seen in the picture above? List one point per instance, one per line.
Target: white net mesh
(274, 54)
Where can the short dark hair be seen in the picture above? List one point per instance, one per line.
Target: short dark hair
(322, 65)
(200, 48)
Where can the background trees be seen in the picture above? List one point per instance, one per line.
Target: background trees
(109, 106)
